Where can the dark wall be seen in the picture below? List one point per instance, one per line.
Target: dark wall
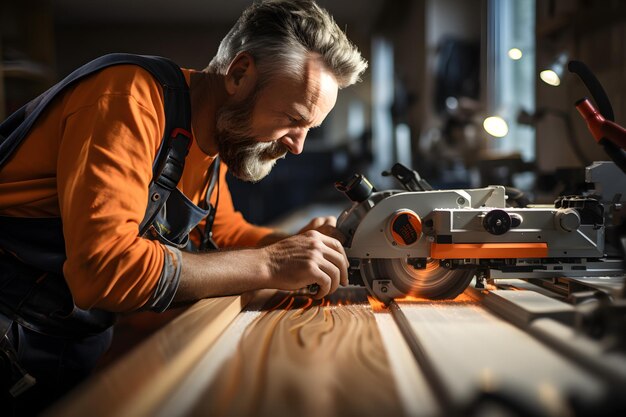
(592, 32)
(188, 46)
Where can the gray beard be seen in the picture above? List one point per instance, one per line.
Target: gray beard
(246, 158)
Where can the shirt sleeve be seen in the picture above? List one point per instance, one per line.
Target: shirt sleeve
(104, 169)
(167, 284)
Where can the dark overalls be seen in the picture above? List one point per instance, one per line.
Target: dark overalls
(47, 344)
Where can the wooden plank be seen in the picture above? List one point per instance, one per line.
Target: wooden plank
(414, 388)
(476, 355)
(306, 358)
(192, 388)
(140, 382)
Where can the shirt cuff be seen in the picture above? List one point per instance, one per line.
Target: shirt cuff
(168, 281)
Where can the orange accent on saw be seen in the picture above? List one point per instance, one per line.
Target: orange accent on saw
(406, 227)
(488, 250)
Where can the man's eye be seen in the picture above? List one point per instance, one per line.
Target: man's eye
(292, 120)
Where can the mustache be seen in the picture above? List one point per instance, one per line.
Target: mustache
(272, 150)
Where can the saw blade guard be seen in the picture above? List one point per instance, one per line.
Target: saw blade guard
(391, 252)
(387, 279)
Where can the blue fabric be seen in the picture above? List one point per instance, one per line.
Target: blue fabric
(176, 219)
(58, 365)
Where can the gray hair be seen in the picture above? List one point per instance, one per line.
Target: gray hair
(281, 34)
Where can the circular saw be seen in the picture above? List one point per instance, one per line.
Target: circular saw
(430, 243)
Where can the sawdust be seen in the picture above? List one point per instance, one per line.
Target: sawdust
(461, 298)
(307, 358)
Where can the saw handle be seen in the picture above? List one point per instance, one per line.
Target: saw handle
(409, 178)
(357, 188)
(605, 110)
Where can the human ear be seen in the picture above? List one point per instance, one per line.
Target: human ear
(241, 75)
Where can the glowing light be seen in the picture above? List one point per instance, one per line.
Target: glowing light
(452, 103)
(408, 299)
(550, 77)
(552, 74)
(515, 54)
(496, 126)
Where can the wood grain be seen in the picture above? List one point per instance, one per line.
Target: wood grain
(306, 358)
(141, 381)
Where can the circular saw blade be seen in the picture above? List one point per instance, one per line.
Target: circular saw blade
(433, 281)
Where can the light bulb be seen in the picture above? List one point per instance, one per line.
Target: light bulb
(515, 54)
(550, 77)
(496, 126)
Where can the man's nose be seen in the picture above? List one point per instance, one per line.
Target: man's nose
(295, 140)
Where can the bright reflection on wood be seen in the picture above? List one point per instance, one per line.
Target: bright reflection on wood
(307, 358)
(461, 298)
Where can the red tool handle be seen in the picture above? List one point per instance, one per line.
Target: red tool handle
(599, 126)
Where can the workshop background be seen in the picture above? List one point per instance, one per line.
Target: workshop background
(455, 89)
(438, 69)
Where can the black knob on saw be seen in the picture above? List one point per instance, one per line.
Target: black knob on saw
(357, 188)
(497, 222)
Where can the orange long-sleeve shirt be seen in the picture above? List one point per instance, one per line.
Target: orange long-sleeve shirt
(88, 159)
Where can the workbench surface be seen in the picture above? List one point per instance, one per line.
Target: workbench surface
(280, 354)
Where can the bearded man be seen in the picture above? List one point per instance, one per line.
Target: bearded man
(86, 166)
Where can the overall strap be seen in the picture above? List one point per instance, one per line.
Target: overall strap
(168, 168)
(207, 241)
(169, 163)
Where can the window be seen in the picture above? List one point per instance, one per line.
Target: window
(511, 72)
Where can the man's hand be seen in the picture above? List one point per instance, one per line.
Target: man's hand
(325, 225)
(314, 256)
(310, 257)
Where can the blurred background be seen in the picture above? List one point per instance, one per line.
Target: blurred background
(456, 89)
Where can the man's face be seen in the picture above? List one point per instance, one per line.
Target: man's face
(254, 133)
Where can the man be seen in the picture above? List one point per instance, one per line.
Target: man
(88, 161)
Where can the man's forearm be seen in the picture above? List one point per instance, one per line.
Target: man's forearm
(272, 238)
(221, 273)
(289, 264)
